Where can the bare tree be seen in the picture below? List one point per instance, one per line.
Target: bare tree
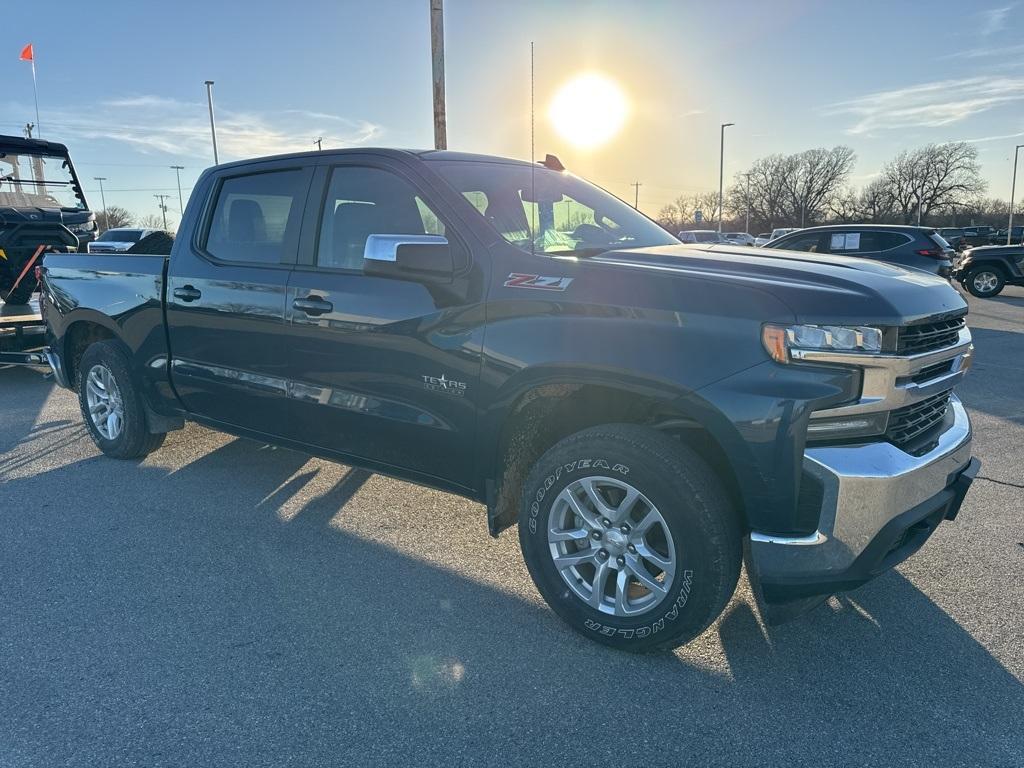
(932, 179)
(113, 217)
(151, 221)
(791, 190)
(681, 213)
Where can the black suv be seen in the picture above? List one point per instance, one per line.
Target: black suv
(912, 247)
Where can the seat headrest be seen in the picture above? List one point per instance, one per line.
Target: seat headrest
(245, 222)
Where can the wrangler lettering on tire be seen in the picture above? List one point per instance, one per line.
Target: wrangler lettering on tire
(629, 537)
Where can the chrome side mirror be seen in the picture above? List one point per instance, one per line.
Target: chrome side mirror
(385, 247)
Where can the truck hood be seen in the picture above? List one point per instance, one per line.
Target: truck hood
(818, 288)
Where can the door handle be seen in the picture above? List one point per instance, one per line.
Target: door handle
(187, 293)
(313, 305)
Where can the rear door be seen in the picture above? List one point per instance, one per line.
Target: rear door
(226, 296)
(386, 367)
(853, 242)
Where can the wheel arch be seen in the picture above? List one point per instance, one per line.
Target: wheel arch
(545, 412)
(79, 334)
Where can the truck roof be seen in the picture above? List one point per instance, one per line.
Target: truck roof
(21, 144)
(426, 154)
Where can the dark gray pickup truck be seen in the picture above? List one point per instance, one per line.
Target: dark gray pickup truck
(645, 411)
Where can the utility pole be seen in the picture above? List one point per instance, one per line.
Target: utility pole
(103, 198)
(177, 172)
(920, 202)
(636, 197)
(1013, 193)
(163, 208)
(437, 66)
(213, 125)
(319, 143)
(721, 172)
(747, 228)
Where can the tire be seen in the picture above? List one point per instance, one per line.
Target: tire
(984, 282)
(697, 536)
(23, 293)
(104, 368)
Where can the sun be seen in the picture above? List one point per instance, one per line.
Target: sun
(589, 110)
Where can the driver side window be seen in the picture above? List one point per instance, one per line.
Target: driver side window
(363, 201)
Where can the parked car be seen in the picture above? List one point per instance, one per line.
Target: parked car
(782, 232)
(763, 238)
(701, 236)
(642, 409)
(953, 236)
(118, 240)
(41, 204)
(913, 247)
(986, 270)
(999, 238)
(739, 238)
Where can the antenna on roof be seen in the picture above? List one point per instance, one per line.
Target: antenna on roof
(533, 163)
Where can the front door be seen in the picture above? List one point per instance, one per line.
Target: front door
(226, 298)
(386, 368)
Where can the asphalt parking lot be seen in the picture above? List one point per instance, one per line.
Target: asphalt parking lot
(227, 603)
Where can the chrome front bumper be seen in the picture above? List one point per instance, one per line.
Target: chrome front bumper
(871, 493)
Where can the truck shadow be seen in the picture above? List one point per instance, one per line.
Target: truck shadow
(243, 609)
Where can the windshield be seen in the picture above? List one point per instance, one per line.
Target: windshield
(548, 211)
(121, 236)
(37, 181)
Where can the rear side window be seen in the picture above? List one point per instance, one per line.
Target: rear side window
(256, 215)
(889, 240)
(809, 243)
(853, 243)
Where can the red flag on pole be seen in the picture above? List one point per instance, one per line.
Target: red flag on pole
(26, 53)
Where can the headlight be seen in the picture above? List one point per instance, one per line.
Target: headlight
(780, 340)
(85, 226)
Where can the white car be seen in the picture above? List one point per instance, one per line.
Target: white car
(780, 231)
(740, 238)
(118, 240)
(763, 239)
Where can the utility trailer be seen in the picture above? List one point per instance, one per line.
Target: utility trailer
(21, 331)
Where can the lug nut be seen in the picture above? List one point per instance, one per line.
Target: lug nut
(603, 554)
(632, 549)
(620, 560)
(624, 528)
(596, 535)
(606, 522)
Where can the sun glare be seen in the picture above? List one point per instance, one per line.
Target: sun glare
(588, 110)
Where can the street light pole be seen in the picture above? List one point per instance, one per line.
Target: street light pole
(103, 198)
(1013, 193)
(721, 171)
(177, 172)
(213, 125)
(747, 228)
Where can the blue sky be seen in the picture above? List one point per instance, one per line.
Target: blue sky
(126, 92)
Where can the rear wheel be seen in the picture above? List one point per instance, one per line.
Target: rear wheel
(984, 282)
(111, 404)
(630, 537)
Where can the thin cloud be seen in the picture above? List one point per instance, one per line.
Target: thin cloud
(987, 52)
(995, 138)
(694, 112)
(928, 105)
(994, 19)
(153, 124)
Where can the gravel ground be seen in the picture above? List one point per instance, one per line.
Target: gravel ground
(228, 603)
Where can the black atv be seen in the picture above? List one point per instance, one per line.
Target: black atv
(42, 208)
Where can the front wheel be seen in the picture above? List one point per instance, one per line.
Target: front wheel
(629, 537)
(984, 282)
(112, 405)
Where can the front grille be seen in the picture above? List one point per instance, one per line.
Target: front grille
(932, 371)
(927, 337)
(910, 422)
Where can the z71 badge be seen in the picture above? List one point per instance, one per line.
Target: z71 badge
(542, 282)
